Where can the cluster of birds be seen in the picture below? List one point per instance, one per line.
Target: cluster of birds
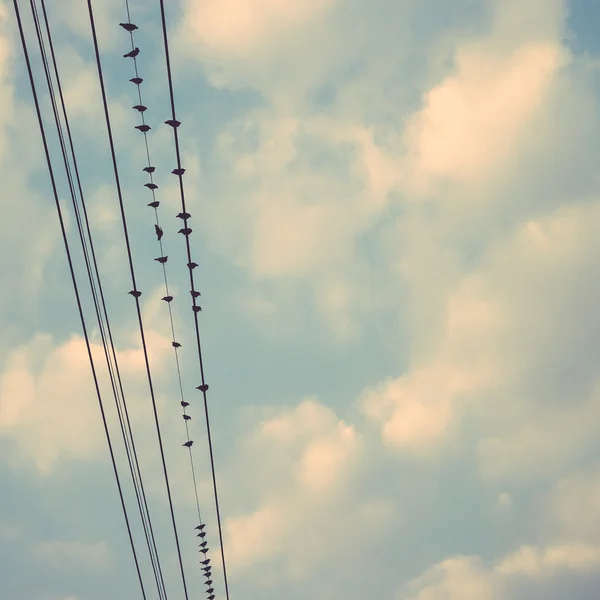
(144, 128)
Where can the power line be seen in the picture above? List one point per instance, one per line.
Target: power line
(134, 292)
(98, 298)
(75, 287)
(203, 387)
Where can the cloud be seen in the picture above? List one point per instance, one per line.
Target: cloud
(529, 573)
(72, 554)
(306, 484)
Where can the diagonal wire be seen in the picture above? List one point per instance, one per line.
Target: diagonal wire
(196, 325)
(76, 289)
(164, 269)
(99, 301)
(136, 292)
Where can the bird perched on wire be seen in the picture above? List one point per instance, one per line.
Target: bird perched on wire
(149, 169)
(132, 54)
(151, 186)
(178, 171)
(136, 80)
(140, 108)
(188, 444)
(128, 26)
(154, 204)
(185, 231)
(162, 259)
(159, 232)
(135, 293)
(184, 215)
(176, 344)
(173, 123)
(192, 265)
(167, 298)
(186, 417)
(203, 387)
(143, 128)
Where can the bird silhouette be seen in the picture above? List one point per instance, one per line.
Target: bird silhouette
(201, 526)
(186, 417)
(184, 215)
(203, 387)
(211, 597)
(132, 54)
(149, 169)
(173, 123)
(184, 403)
(176, 345)
(151, 186)
(205, 562)
(140, 108)
(135, 293)
(143, 128)
(185, 231)
(136, 80)
(128, 26)
(188, 444)
(167, 298)
(204, 551)
(178, 171)
(210, 590)
(162, 259)
(159, 232)
(196, 308)
(195, 294)
(208, 582)
(192, 265)
(154, 204)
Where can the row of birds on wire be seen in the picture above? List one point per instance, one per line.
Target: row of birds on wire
(61, 122)
(185, 231)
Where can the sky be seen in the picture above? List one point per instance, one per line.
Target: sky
(396, 214)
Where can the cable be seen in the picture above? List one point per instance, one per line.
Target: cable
(75, 288)
(126, 429)
(135, 292)
(203, 387)
(150, 169)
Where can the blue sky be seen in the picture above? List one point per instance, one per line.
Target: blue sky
(396, 217)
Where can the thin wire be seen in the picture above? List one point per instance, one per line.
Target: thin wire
(164, 270)
(126, 429)
(196, 325)
(75, 288)
(136, 296)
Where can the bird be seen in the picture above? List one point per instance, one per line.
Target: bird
(178, 171)
(176, 345)
(173, 123)
(135, 293)
(208, 582)
(204, 551)
(210, 590)
(201, 526)
(184, 403)
(192, 265)
(203, 387)
(206, 571)
(143, 128)
(154, 204)
(184, 215)
(185, 231)
(205, 562)
(188, 444)
(149, 169)
(128, 26)
(162, 259)
(195, 294)
(211, 597)
(186, 417)
(151, 186)
(140, 108)
(159, 232)
(132, 54)
(136, 80)
(167, 298)
(196, 308)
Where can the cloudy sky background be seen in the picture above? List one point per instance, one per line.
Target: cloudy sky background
(396, 214)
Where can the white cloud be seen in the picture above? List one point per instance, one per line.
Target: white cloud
(528, 573)
(72, 554)
(304, 463)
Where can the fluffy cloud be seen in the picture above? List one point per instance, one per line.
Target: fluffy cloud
(305, 464)
(529, 573)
